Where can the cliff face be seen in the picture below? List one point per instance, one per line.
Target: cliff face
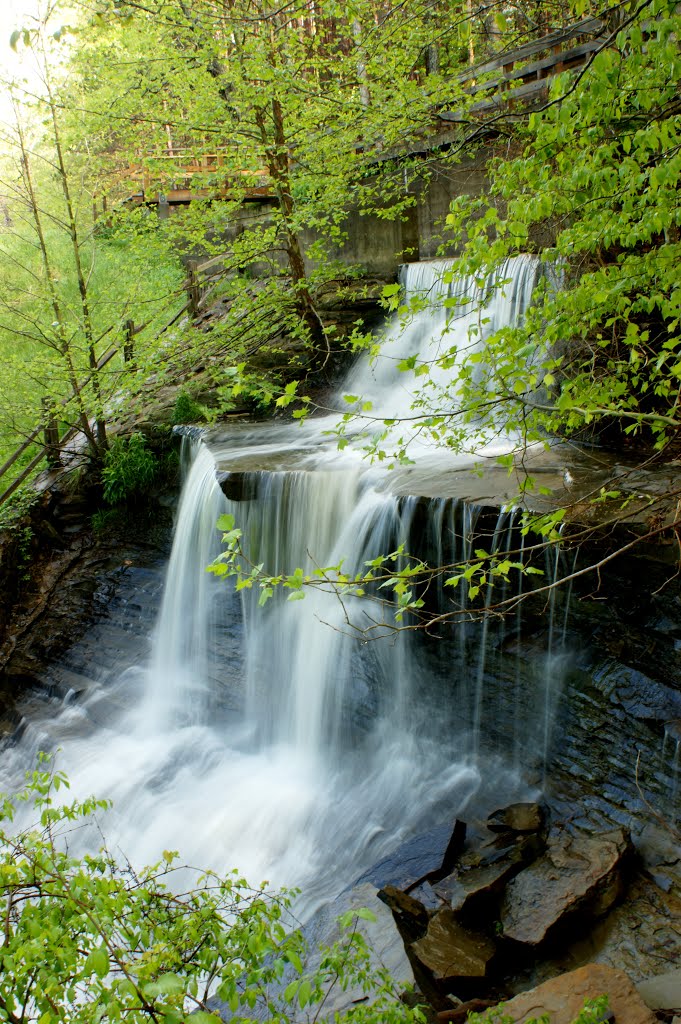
(59, 575)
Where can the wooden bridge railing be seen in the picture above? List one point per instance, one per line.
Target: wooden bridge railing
(515, 78)
(171, 171)
(198, 287)
(508, 79)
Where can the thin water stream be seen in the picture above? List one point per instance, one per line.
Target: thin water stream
(275, 739)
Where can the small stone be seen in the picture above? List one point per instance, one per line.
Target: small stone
(663, 991)
(521, 817)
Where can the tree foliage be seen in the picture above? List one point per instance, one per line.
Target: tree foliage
(599, 165)
(90, 939)
(68, 288)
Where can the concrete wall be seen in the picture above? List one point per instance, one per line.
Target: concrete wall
(378, 245)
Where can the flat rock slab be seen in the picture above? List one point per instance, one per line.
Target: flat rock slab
(412, 860)
(449, 951)
(663, 992)
(563, 997)
(576, 875)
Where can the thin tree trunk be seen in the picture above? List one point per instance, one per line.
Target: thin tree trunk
(278, 166)
(82, 283)
(471, 41)
(361, 65)
(63, 342)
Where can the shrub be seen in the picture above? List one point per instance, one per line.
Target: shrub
(17, 507)
(187, 409)
(90, 941)
(129, 468)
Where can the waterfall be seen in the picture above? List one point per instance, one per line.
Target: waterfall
(454, 321)
(282, 740)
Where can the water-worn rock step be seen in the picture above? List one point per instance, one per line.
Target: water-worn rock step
(449, 952)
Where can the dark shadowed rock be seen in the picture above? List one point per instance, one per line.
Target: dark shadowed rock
(448, 951)
(238, 486)
(578, 875)
(454, 848)
(412, 861)
(563, 997)
(411, 917)
(523, 817)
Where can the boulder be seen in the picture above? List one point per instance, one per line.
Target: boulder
(417, 859)
(563, 997)
(411, 916)
(448, 952)
(662, 992)
(578, 875)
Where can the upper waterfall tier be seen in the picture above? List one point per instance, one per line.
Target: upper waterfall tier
(452, 318)
(414, 371)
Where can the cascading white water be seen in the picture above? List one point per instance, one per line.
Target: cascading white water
(312, 755)
(459, 315)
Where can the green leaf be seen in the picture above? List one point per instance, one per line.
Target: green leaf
(364, 914)
(98, 962)
(304, 992)
(167, 985)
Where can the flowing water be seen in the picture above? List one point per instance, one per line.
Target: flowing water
(281, 740)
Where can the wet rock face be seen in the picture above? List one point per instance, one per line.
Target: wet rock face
(70, 580)
(577, 874)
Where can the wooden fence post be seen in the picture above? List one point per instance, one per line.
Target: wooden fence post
(51, 435)
(129, 343)
(194, 293)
